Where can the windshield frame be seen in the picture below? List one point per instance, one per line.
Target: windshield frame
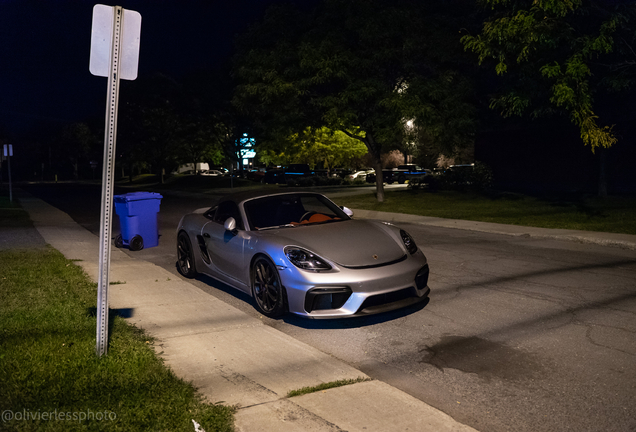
(330, 205)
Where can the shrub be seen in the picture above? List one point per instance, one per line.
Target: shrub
(354, 182)
(306, 181)
(321, 180)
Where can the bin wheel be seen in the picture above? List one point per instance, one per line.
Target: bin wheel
(136, 243)
(119, 241)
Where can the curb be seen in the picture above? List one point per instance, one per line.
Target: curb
(624, 241)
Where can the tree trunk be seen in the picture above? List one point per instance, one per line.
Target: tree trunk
(376, 152)
(379, 181)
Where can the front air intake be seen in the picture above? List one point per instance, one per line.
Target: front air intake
(326, 298)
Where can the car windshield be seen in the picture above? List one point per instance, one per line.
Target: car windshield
(291, 210)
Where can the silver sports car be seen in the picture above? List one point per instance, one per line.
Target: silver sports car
(299, 252)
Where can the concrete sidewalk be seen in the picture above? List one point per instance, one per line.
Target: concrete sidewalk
(235, 359)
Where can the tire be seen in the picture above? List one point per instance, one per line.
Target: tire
(136, 243)
(119, 241)
(185, 256)
(267, 288)
(401, 179)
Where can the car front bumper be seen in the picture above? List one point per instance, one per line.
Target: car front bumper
(356, 292)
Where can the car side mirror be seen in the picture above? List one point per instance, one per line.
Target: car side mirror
(347, 211)
(230, 224)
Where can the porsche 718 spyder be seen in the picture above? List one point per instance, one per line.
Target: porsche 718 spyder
(299, 252)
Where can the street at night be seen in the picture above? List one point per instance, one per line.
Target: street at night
(486, 148)
(519, 334)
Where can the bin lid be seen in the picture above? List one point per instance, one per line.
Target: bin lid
(136, 196)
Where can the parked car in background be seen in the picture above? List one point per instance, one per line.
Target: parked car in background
(212, 173)
(299, 252)
(462, 167)
(282, 175)
(361, 174)
(340, 172)
(401, 174)
(191, 168)
(410, 172)
(256, 175)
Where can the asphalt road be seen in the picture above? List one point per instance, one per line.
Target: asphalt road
(519, 334)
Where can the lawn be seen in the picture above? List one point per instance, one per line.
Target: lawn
(50, 376)
(11, 214)
(611, 214)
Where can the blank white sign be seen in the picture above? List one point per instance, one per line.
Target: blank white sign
(102, 37)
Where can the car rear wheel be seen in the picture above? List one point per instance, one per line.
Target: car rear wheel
(267, 288)
(185, 256)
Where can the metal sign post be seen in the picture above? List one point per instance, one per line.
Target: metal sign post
(114, 54)
(8, 152)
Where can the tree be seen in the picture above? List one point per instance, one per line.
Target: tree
(354, 66)
(560, 55)
(74, 145)
(316, 146)
(164, 123)
(199, 141)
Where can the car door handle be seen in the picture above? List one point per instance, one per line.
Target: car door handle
(206, 235)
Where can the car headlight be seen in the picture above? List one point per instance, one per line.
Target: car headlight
(408, 242)
(305, 260)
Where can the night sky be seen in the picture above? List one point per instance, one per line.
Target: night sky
(44, 53)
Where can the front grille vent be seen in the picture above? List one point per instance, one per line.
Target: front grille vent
(402, 258)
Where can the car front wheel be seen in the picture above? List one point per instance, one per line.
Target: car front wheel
(185, 256)
(267, 288)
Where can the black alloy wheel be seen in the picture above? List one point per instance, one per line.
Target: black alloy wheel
(185, 256)
(267, 288)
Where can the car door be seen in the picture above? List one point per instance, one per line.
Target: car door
(225, 248)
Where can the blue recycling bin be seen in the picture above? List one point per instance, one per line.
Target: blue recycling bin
(137, 213)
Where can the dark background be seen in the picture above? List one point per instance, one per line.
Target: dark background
(44, 54)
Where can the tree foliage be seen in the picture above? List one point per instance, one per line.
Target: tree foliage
(73, 145)
(321, 146)
(163, 124)
(360, 67)
(560, 55)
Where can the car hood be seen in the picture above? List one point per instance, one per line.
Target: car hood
(354, 243)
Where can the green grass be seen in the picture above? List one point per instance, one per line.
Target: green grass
(611, 214)
(326, 386)
(48, 362)
(11, 214)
